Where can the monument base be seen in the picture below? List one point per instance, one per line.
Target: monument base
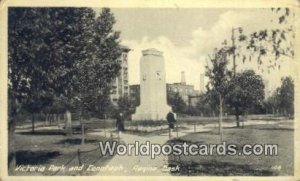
(142, 113)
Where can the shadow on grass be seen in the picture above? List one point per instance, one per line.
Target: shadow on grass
(76, 141)
(145, 133)
(280, 129)
(182, 141)
(218, 169)
(43, 132)
(35, 157)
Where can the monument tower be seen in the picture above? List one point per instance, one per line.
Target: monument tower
(153, 98)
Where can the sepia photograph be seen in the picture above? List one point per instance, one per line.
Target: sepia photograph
(160, 91)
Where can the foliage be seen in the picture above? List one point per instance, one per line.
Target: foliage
(176, 102)
(98, 70)
(280, 39)
(272, 103)
(286, 92)
(218, 74)
(126, 105)
(60, 56)
(266, 46)
(246, 92)
(282, 100)
(218, 80)
(270, 43)
(207, 104)
(56, 52)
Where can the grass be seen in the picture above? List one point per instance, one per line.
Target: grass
(46, 148)
(240, 165)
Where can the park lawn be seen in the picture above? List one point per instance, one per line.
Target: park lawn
(49, 147)
(282, 164)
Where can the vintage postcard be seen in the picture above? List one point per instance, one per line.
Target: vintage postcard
(149, 90)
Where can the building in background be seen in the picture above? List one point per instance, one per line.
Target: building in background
(183, 89)
(187, 92)
(134, 93)
(120, 86)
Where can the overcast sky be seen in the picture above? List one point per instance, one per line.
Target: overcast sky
(188, 36)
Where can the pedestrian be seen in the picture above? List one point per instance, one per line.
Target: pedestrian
(120, 122)
(171, 119)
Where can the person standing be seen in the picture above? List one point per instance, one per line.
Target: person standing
(171, 121)
(120, 122)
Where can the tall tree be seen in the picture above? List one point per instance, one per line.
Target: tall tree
(218, 80)
(100, 68)
(64, 53)
(28, 66)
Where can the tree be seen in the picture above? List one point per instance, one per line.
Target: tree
(246, 92)
(44, 44)
(126, 105)
(219, 77)
(275, 41)
(286, 92)
(64, 53)
(29, 70)
(270, 43)
(207, 104)
(265, 46)
(101, 66)
(177, 103)
(272, 103)
(282, 100)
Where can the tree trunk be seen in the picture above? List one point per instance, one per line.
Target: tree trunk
(11, 146)
(56, 118)
(33, 122)
(46, 119)
(13, 108)
(237, 116)
(221, 117)
(51, 119)
(68, 125)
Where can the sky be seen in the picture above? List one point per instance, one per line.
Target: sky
(188, 36)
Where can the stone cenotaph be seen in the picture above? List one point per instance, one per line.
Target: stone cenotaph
(153, 98)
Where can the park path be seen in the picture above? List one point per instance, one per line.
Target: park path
(142, 165)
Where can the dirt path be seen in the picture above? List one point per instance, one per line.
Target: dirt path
(141, 165)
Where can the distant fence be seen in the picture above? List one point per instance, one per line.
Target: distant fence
(230, 117)
(108, 126)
